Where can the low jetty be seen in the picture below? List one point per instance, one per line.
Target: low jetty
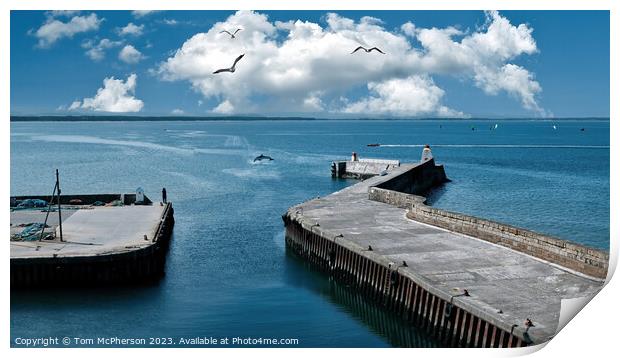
(122, 242)
(362, 168)
(468, 281)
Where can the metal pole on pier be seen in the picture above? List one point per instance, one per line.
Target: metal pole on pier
(49, 208)
(59, 214)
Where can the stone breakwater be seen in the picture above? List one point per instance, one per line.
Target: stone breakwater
(466, 290)
(401, 191)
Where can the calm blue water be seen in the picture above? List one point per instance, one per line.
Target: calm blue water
(228, 274)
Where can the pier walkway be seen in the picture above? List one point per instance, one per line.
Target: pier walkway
(101, 245)
(506, 287)
(92, 231)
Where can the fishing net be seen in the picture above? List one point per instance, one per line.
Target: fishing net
(32, 203)
(31, 232)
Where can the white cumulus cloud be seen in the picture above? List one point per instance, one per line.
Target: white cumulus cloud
(142, 13)
(96, 50)
(130, 55)
(171, 22)
(61, 13)
(131, 29)
(75, 105)
(313, 102)
(116, 95)
(513, 79)
(53, 29)
(305, 66)
(411, 96)
(224, 108)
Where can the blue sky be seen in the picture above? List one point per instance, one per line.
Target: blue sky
(437, 63)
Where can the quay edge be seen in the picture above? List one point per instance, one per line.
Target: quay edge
(95, 266)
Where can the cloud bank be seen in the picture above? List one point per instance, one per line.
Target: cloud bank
(116, 96)
(301, 66)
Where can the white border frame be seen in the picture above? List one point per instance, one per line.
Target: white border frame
(591, 333)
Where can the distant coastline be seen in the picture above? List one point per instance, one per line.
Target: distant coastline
(48, 118)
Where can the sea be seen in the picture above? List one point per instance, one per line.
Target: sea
(229, 277)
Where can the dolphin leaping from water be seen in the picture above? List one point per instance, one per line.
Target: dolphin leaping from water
(262, 157)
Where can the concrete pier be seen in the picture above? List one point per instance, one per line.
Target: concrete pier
(501, 289)
(101, 244)
(362, 168)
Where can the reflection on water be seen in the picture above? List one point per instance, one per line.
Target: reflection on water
(394, 329)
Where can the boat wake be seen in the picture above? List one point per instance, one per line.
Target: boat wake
(537, 146)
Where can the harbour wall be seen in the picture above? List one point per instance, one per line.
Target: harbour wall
(132, 266)
(586, 260)
(453, 320)
(403, 191)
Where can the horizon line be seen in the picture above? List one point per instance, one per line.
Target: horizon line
(121, 117)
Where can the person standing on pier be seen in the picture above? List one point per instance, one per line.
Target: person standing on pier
(164, 196)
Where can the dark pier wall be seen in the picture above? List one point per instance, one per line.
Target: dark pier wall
(404, 190)
(417, 180)
(133, 266)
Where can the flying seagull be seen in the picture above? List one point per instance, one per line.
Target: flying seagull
(367, 49)
(232, 68)
(262, 157)
(232, 36)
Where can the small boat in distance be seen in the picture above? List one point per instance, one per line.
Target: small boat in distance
(262, 157)
(373, 145)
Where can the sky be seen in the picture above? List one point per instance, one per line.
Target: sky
(453, 64)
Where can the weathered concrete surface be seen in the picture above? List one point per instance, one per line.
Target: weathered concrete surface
(404, 191)
(103, 246)
(362, 168)
(589, 261)
(444, 262)
(93, 231)
(37, 215)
